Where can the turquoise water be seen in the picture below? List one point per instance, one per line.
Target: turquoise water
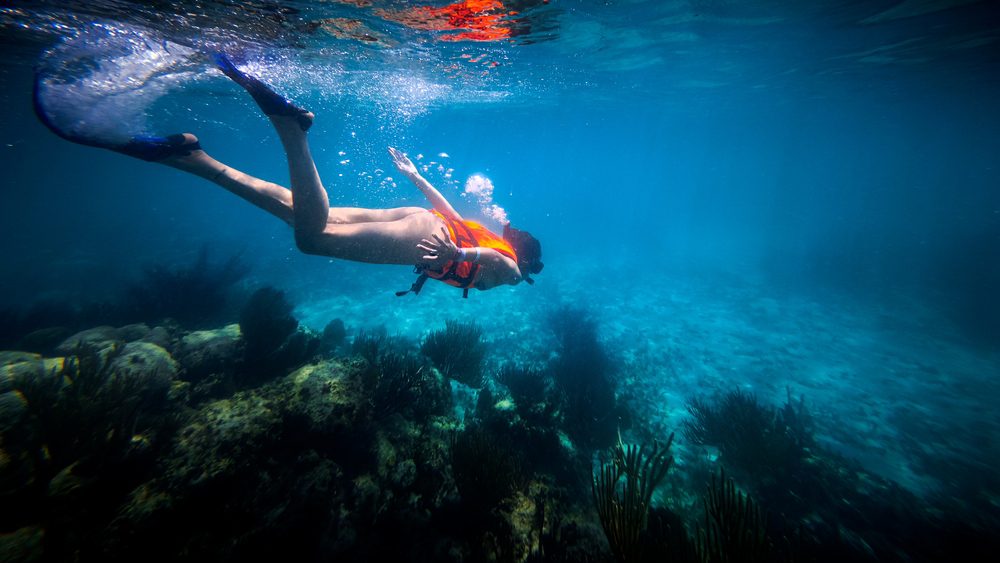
(777, 197)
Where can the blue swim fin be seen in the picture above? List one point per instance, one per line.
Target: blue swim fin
(269, 101)
(149, 149)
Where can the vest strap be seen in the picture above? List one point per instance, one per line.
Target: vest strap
(417, 285)
(463, 234)
(465, 238)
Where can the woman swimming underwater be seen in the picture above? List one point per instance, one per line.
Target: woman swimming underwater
(437, 241)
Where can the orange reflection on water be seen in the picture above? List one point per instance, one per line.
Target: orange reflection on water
(478, 20)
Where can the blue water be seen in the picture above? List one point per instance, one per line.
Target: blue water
(753, 194)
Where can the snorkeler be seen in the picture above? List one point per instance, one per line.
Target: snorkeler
(438, 242)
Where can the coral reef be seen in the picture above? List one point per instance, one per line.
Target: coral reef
(90, 426)
(369, 345)
(457, 351)
(334, 335)
(273, 341)
(624, 510)
(207, 352)
(853, 514)
(181, 440)
(87, 412)
(399, 383)
(42, 325)
(270, 471)
(734, 529)
(762, 442)
(485, 471)
(533, 429)
(266, 321)
(525, 384)
(195, 296)
(201, 294)
(583, 375)
(396, 381)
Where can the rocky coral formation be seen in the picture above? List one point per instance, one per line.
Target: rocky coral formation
(136, 437)
(345, 458)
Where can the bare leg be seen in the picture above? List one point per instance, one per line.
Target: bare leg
(384, 236)
(348, 215)
(393, 241)
(183, 152)
(311, 203)
(386, 242)
(270, 197)
(275, 199)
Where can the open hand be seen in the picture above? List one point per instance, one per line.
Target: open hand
(402, 163)
(439, 251)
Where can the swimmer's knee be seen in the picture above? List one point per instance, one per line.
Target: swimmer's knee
(307, 244)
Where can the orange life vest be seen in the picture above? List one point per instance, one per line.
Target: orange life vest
(465, 234)
(468, 234)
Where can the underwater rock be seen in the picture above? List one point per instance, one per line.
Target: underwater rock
(25, 364)
(133, 332)
(224, 438)
(12, 406)
(83, 413)
(205, 352)
(17, 469)
(162, 337)
(180, 393)
(43, 340)
(405, 474)
(11, 366)
(298, 348)
(67, 483)
(301, 458)
(103, 336)
(274, 344)
(368, 498)
(325, 401)
(214, 386)
(142, 359)
(299, 467)
(100, 336)
(8, 357)
(486, 469)
(242, 470)
(22, 545)
(17, 472)
(317, 400)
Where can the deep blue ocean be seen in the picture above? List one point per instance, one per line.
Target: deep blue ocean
(791, 199)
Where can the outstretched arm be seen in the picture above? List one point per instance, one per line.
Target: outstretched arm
(404, 165)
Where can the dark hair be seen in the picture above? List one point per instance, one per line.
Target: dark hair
(528, 250)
